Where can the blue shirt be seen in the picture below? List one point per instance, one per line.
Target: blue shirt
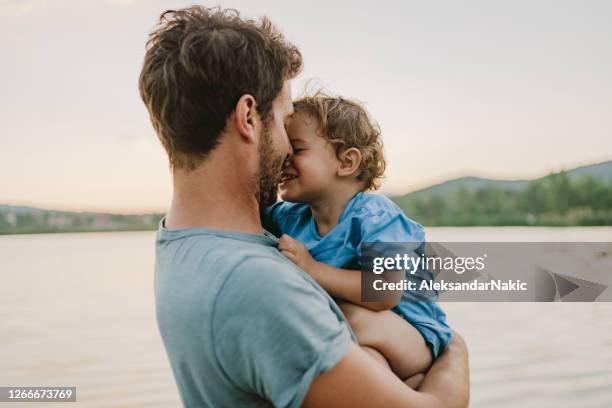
(242, 325)
(366, 218)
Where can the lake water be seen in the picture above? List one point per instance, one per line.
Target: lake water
(78, 310)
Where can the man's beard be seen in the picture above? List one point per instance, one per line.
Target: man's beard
(269, 171)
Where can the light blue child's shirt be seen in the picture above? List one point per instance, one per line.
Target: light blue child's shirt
(367, 218)
(241, 324)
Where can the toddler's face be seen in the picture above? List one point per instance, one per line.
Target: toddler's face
(311, 171)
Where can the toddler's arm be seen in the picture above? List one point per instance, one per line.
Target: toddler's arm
(343, 284)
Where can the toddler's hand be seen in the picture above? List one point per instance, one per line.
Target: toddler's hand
(296, 252)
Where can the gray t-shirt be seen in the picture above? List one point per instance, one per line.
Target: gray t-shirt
(242, 325)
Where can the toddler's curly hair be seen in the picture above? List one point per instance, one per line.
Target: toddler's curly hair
(345, 124)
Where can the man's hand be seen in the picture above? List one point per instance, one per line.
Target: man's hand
(297, 253)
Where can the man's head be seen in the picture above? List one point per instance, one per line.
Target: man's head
(200, 64)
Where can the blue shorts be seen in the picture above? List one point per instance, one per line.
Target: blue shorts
(429, 319)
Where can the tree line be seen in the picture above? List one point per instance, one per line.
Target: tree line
(554, 200)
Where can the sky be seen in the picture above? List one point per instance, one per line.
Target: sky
(506, 90)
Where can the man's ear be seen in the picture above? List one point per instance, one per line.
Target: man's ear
(246, 118)
(350, 160)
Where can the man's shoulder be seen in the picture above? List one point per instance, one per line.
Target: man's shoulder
(248, 258)
(208, 259)
(209, 273)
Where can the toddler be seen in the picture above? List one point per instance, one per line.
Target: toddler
(325, 217)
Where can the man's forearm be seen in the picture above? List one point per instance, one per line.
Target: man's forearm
(358, 381)
(448, 379)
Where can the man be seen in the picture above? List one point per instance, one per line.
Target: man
(241, 324)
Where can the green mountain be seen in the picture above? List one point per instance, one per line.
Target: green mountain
(601, 171)
(580, 196)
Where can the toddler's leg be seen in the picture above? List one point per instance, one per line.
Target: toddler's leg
(397, 340)
(413, 382)
(375, 354)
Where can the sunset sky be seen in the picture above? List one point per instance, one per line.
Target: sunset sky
(493, 89)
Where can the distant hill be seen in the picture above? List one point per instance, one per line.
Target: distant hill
(600, 171)
(580, 196)
(24, 220)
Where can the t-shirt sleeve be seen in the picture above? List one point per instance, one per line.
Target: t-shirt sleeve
(392, 233)
(274, 332)
(391, 226)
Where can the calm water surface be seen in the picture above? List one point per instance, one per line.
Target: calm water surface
(78, 310)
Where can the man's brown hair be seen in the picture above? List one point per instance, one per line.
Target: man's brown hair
(345, 124)
(199, 61)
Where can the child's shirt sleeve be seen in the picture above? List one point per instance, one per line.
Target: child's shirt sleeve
(391, 226)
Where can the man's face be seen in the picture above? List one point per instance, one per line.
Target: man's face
(274, 147)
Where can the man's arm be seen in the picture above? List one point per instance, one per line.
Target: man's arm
(359, 381)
